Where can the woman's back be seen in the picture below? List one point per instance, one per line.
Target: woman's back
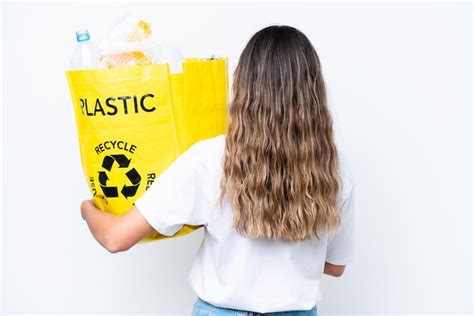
(231, 270)
(275, 193)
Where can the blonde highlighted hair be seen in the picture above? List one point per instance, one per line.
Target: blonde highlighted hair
(280, 165)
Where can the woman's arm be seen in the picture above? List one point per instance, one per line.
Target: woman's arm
(333, 270)
(115, 233)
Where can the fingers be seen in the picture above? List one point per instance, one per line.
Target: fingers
(84, 206)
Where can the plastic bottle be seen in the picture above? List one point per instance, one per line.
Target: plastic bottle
(86, 54)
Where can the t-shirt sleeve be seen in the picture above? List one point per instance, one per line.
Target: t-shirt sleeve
(178, 195)
(341, 246)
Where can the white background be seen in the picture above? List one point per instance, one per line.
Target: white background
(399, 80)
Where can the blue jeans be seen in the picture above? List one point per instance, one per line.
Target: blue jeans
(203, 308)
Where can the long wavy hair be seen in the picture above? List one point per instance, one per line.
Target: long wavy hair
(280, 165)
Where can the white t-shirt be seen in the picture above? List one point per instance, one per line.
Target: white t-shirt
(233, 271)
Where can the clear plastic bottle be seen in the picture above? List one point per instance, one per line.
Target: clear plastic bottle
(86, 54)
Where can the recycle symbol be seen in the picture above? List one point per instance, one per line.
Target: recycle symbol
(132, 175)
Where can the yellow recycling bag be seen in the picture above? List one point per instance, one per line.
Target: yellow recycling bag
(133, 122)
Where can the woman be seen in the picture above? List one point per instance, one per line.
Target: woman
(275, 195)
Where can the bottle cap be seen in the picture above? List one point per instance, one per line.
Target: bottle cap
(82, 35)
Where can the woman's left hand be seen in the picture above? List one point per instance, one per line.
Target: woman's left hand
(86, 205)
(113, 232)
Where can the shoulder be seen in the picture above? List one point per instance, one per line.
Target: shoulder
(205, 157)
(215, 141)
(208, 147)
(346, 174)
(206, 153)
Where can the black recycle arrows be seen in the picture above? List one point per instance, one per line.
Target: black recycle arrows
(132, 175)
